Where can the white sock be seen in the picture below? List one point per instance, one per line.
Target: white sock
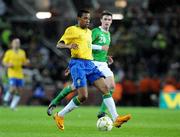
(68, 108)
(7, 96)
(14, 101)
(109, 102)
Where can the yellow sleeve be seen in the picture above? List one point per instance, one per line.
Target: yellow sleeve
(69, 35)
(6, 57)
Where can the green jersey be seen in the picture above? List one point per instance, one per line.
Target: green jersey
(101, 38)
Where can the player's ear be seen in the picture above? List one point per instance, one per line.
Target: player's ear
(79, 18)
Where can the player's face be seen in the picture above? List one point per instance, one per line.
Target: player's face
(106, 21)
(15, 43)
(84, 20)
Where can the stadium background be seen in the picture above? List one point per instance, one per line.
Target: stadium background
(145, 47)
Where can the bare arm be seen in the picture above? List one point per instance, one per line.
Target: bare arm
(70, 46)
(110, 60)
(27, 63)
(67, 71)
(8, 65)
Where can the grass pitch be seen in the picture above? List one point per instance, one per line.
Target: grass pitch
(34, 122)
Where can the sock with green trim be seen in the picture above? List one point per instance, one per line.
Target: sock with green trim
(7, 96)
(103, 107)
(109, 102)
(15, 100)
(63, 93)
(74, 103)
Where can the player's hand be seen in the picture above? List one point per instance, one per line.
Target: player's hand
(10, 65)
(27, 63)
(105, 48)
(67, 71)
(70, 46)
(110, 60)
(73, 46)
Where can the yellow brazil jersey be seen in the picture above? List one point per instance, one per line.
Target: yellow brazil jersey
(81, 37)
(17, 59)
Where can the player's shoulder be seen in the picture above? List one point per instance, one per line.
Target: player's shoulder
(9, 51)
(70, 28)
(90, 31)
(95, 29)
(22, 51)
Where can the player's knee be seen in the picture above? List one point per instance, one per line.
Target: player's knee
(112, 86)
(83, 98)
(104, 89)
(13, 89)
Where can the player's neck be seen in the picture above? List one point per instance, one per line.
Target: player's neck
(81, 26)
(15, 50)
(104, 29)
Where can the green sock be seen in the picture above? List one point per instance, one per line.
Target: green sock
(61, 95)
(76, 100)
(103, 107)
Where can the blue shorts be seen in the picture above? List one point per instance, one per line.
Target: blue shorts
(83, 70)
(16, 82)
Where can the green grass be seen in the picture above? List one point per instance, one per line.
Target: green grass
(34, 122)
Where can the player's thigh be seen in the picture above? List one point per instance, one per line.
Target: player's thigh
(20, 90)
(20, 85)
(79, 76)
(94, 74)
(12, 88)
(73, 87)
(12, 84)
(101, 86)
(106, 71)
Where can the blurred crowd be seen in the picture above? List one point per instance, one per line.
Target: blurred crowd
(145, 48)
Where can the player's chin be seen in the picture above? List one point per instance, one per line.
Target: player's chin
(107, 25)
(87, 24)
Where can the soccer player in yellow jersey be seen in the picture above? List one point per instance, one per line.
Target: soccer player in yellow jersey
(14, 59)
(78, 39)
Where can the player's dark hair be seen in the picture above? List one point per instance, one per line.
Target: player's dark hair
(80, 12)
(106, 13)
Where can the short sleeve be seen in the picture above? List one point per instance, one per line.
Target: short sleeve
(6, 57)
(68, 36)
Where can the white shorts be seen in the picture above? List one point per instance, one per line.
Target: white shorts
(103, 67)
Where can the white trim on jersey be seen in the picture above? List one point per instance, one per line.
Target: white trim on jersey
(96, 47)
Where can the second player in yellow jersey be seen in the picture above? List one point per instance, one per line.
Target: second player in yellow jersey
(17, 59)
(14, 59)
